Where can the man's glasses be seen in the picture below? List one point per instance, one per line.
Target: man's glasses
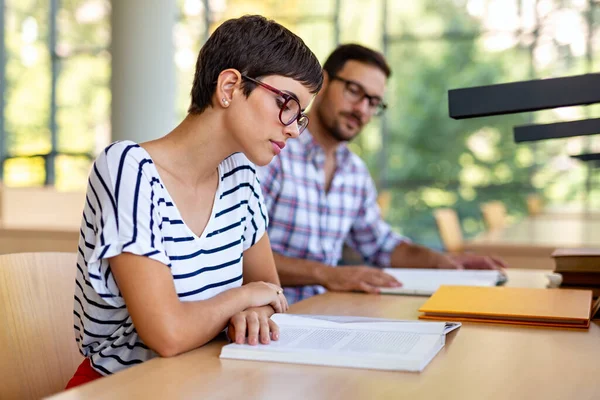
(355, 93)
(289, 106)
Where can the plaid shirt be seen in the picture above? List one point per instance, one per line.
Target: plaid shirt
(309, 223)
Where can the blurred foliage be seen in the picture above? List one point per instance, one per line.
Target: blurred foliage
(424, 158)
(427, 160)
(83, 93)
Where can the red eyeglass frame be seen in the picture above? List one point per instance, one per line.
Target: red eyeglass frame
(286, 99)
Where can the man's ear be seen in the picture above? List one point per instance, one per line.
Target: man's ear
(325, 79)
(228, 82)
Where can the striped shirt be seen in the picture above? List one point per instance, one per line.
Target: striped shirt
(128, 209)
(310, 223)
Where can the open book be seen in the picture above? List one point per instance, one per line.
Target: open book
(424, 282)
(355, 342)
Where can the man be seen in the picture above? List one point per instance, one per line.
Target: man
(320, 195)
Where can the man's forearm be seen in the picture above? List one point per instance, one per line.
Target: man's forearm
(300, 272)
(408, 255)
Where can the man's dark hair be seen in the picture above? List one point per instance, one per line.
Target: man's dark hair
(256, 47)
(347, 52)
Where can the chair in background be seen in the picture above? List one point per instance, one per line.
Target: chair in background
(494, 215)
(449, 229)
(535, 204)
(38, 352)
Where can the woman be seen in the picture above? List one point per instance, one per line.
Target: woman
(173, 246)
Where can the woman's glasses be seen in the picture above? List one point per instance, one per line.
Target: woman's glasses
(289, 106)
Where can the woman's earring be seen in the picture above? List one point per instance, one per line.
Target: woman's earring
(225, 102)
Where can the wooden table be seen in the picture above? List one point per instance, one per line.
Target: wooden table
(23, 240)
(479, 361)
(530, 242)
(570, 211)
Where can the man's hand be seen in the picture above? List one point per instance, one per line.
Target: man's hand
(364, 279)
(255, 324)
(471, 261)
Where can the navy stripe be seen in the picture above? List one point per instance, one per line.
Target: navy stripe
(99, 367)
(120, 171)
(212, 268)
(80, 270)
(101, 212)
(178, 239)
(202, 251)
(212, 285)
(260, 208)
(89, 345)
(106, 322)
(90, 285)
(172, 221)
(135, 201)
(150, 254)
(162, 200)
(109, 194)
(90, 204)
(227, 210)
(90, 226)
(237, 169)
(92, 302)
(109, 339)
(94, 276)
(107, 273)
(109, 147)
(82, 255)
(238, 187)
(226, 228)
(75, 313)
(152, 218)
(120, 360)
(103, 252)
(87, 244)
(130, 346)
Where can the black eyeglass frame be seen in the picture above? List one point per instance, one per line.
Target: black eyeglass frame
(378, 107)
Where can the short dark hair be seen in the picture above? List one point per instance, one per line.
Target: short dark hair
(347, 52)
(255, 46)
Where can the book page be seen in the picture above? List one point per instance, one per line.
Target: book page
(362, 323)
(409, 325)
(346, 340)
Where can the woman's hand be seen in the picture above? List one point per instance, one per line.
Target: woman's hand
(265, 293)
(255, 324)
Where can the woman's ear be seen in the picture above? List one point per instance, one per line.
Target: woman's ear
(228, 82)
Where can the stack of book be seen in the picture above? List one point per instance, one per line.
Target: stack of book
(556, 308)
(579, 268)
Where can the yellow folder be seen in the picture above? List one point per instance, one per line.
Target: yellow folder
(523, 306)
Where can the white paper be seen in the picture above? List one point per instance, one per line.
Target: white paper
(424, 282)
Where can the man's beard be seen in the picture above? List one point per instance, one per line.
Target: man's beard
(336, 131)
